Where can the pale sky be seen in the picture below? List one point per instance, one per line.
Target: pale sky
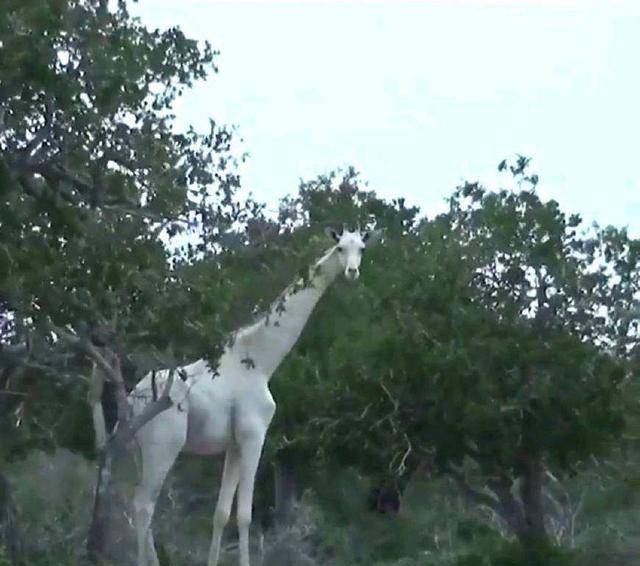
(421, 95)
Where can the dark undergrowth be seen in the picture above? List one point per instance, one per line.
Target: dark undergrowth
(53, 494)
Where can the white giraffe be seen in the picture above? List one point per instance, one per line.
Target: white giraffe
(231, 412)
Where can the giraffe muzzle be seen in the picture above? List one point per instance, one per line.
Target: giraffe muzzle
(352, 273)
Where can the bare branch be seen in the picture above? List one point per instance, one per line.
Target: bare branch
(402, 466)
(120, 388)
(473, 495)
(94, 398)
(389, 416)
(510, 509)
(127, 427)
(15, 393)
(42, 133)
(3, 126)
(127, 431)
(87, 347)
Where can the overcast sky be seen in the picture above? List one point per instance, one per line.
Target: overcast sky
(422, 95)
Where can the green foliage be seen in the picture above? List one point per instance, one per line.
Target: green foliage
(98, 193)
(513, 554)
(348, 533)
(491, 342)
(4, 557)
(53, 495)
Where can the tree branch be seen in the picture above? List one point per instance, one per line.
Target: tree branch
(510, 510)
(474, 495)
(86, 346)
(59, 173)
(111, 370)
(127, 427)
(43, 132)
(94, 398)
(3, 126)
(126, 432)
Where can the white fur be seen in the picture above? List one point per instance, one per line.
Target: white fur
(231, 411)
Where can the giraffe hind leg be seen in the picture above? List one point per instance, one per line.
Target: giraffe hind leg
(228, 486)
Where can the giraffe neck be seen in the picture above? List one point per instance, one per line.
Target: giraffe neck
(263, 345)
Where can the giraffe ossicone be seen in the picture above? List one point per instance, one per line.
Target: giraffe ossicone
(230, 412)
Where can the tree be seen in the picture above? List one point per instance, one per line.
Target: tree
(492, 343)
(97, 193)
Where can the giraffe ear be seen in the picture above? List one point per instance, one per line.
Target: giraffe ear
(332, 233)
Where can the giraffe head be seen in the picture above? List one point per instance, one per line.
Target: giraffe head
(350, 247)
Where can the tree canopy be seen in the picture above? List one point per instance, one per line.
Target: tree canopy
(492, 343)
(106, 208)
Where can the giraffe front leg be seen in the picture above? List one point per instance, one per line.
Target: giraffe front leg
(152, 556)
(249, 457)
(143, 506)
(160, 441)
(228, 487)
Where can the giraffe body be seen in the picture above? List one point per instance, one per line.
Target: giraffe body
(230, 411)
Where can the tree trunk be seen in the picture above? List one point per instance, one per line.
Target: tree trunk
(509, 509)
(535, 532)
(525, 518)
(111, 450)
(8, 527)
(6, 399)
(285, 483)
(98, 530)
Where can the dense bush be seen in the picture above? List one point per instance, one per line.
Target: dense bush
(331, 527)
(53, 494)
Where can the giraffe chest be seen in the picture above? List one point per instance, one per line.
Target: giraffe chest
(219, 416)
(209, 433)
